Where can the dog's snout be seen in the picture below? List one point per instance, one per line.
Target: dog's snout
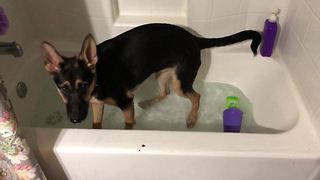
(77, 114)
(77, 108)
(74, 117)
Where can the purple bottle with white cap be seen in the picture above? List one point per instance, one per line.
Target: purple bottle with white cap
(4, 23)
(269, 34)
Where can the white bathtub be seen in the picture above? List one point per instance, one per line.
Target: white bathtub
(289, 152)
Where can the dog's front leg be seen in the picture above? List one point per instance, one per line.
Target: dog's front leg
(97, 108)
(128, 114)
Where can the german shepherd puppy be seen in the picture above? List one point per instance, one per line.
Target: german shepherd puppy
(110, 71)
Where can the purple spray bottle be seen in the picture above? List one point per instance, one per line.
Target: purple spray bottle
(269, 34)
(4, 23)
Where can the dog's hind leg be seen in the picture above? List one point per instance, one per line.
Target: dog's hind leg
(182, 82)
(194, 98)
(162, 78)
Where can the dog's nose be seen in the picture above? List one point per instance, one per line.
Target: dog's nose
(74, 117)
(75, 121)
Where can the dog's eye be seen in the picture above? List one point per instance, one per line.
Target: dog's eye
(63, 88)
(83, 85)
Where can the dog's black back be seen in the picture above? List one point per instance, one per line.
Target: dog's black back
(128, 59)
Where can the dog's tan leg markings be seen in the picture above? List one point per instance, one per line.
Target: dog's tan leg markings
(194, 98)
(128, 114)
(176, 85)
(97, 108)
(110, 101)
(162, 77)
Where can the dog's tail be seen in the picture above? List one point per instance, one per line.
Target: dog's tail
(232, 39)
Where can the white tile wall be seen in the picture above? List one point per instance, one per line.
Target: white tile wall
(229, 16)
(226, 8)
(147, 7)
(255, 6)
(228, 25)
(200, 10)
(300, 47)
(256, 21)
(315, 4)
(301, 19)
(203, 27)
(71, 20)
(312, 37)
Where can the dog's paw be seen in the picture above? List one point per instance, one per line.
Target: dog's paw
(145, 104)
(129, 125)
(96, 126)
(191, 120)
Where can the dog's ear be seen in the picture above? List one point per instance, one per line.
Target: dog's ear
(89, 51)
(52, 58)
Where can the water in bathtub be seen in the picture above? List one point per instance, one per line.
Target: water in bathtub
(169, 114)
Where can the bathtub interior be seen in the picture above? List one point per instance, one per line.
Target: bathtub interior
(262, 85)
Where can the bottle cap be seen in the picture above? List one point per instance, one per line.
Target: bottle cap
(274, 17)
(275, 11)
(232, 102)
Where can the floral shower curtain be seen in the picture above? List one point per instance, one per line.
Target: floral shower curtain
(16, 159)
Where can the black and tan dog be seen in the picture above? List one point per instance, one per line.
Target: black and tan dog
(109, 72)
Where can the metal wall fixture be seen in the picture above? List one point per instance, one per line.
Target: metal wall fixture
(21, 89)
